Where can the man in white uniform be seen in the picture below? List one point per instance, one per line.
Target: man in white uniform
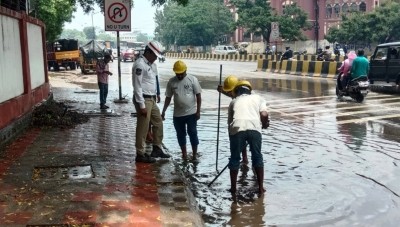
(144, 98)
(187, 103)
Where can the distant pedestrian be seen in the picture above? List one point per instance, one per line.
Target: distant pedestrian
(186, 91)
(144, 98)
(247, 115)
(103, 71)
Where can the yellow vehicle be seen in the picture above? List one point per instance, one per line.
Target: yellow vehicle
(63, 53)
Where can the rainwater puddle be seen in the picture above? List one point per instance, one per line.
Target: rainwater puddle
(316, 173)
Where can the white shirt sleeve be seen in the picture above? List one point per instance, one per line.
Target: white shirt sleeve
(137, 76)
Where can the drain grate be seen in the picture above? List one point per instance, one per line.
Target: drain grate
(63, 172)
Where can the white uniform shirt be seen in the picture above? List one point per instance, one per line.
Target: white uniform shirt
(143, 80)
(184, 92)
(244, 113)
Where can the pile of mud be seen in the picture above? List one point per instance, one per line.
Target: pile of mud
(56, 114)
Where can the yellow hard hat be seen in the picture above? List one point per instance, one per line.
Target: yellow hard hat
(243, 83)
(230, 83)
(179, 67)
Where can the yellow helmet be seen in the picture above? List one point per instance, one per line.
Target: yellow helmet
(230, 83)
(179, 67)
(243, 83)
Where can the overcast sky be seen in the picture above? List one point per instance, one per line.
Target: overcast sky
(142, 16)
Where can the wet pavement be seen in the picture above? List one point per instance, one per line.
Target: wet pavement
(328, 162)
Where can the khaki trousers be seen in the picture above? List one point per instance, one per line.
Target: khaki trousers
(142, 125)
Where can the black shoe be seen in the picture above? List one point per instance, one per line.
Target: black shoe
(144, 158)
(106, 106)
(159, 153)
(103, 107)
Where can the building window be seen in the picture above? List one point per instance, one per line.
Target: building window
(337, 10)
(328, 11)
(363, 7)
(353, 7)
(345, 8)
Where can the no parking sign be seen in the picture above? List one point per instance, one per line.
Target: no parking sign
(117, 15)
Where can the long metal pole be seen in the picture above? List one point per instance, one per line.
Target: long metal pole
(216, 177)
(119, 67)
(219, 112)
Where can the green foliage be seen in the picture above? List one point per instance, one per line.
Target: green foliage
(292, 22)
(142, 37)
(74, 34)
(90, 32)
(54, 13)
(199, 23)
(256, 16)
(380, 25)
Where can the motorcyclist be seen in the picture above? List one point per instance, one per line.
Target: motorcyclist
(326, 54)
(345, 69)
(287, 55)
(360, 66)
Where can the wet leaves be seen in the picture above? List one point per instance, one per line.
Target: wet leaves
(56, 114)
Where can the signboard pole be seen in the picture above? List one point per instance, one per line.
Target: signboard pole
(119, 67)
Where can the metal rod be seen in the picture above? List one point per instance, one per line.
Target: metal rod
(219, 112)
(218, 175)
(119, 67)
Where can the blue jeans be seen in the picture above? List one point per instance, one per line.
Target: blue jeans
(103, 93)
(238, 141)
(180, 128)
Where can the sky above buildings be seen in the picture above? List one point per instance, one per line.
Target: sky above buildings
(142, 16)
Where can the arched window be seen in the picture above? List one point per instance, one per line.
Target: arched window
(363, 7)
(353, 7)
(337, 10)
(345, 8)
(328, 11)
(286, 3)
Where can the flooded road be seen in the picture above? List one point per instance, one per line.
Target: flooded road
(328, 162)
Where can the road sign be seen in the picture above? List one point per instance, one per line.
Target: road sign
(117, 15)
(274, 36)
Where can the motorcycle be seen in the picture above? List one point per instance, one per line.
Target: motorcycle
(356, 88)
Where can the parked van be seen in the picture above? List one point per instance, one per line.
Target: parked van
(385, 64)
(225, 50)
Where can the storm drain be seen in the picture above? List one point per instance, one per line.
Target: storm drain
(63, 172)
(98, 113)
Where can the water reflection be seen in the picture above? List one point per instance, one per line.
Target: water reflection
(247, 213)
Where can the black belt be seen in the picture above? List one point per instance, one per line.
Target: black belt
(149, 96)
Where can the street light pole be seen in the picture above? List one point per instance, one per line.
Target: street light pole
(316, 25)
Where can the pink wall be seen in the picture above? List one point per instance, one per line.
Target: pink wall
(16, 107)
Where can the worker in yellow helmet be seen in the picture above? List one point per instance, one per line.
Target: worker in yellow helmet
(247, 115)
(186, 91)
(227, 89)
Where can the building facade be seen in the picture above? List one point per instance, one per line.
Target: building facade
(323, 14)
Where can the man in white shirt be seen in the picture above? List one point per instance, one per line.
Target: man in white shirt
(247, 115)
(144, 98)
(187, 103)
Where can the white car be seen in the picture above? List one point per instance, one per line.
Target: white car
(225, 50)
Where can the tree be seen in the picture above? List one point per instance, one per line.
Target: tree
(380, 25)
(256, 17)
(199, 23)
(87, 5)
(74, 34)
(90, 32)
(54, 13)
(142, 37)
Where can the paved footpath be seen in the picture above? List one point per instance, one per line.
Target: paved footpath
(87, 176)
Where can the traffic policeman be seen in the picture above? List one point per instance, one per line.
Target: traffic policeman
(144, 83)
